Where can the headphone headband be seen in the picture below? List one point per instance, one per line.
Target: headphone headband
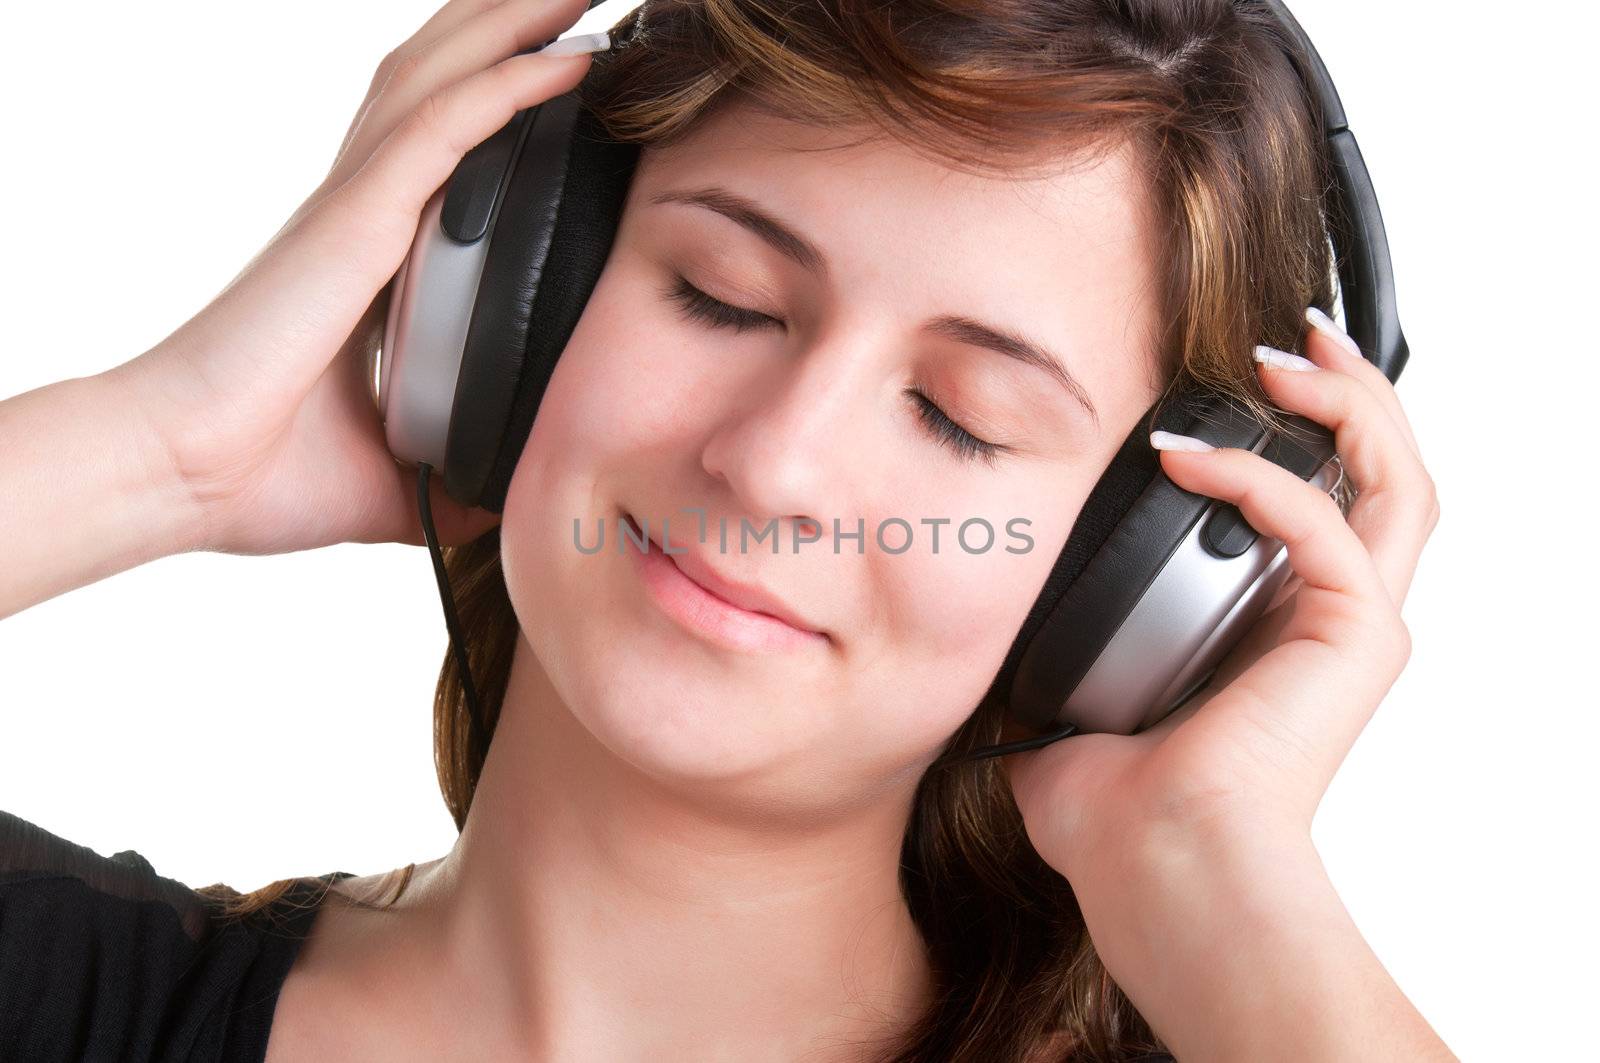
(1154, 584)
(1361, 246)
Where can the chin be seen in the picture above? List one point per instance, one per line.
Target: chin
(665, 715)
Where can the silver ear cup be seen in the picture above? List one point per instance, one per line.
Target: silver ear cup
(1196, 609)
(430, 307)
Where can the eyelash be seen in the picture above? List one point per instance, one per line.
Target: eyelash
(699, 306)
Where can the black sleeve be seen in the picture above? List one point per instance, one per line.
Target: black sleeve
(90, 947)
(103, 959)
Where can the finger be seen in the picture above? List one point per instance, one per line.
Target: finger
(1331, 348)
(1300, 707)
(416, 159)
(448, 16)
(442, 22)
(453, 523)
(470, 45)
(309, 289)
(1342, 624)
(302, 296)
(1394, 509)
(1322, 549)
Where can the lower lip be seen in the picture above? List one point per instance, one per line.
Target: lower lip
(705, 614)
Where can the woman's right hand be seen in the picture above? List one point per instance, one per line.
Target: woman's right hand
(263, 399)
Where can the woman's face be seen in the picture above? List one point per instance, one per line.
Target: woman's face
(809, 414)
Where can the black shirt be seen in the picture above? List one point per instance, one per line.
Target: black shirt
(103, 959)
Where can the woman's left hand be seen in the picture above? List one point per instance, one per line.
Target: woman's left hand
(1255, 750)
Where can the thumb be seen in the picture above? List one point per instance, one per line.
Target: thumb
(1018, 769)
(453, 523)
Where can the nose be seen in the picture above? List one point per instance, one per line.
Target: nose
(794, 446)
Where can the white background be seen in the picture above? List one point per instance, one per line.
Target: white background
(246, 718)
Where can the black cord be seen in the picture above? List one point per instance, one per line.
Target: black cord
(1021, 746)
(424, 470)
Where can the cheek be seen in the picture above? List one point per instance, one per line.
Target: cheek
(585, 419)
(618, 390)
(614, 386)
(948, 620)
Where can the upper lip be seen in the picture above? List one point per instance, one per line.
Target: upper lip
(746, 596)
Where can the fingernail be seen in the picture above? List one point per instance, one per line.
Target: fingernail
(579, 44)
(1284, 360)
(1324, 324)
(1173, 441)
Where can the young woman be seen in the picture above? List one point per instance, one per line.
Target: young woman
(693, 838)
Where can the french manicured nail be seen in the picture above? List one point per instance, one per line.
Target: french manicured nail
(578, 45)
(1324, 324)
(1173, 441)
(1283, 360)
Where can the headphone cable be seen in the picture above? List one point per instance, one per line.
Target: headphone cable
(1019, 746)
(451, 624)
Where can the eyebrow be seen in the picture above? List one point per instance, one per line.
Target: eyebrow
(789, 243)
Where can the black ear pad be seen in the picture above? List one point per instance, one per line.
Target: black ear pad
(1129, 525)
(556, 224)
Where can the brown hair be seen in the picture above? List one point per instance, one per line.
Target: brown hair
(1229, 145)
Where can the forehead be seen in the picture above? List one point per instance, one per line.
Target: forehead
(849, 179)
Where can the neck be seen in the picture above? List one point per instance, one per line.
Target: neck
(609, 914)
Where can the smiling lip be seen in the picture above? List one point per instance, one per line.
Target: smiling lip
(736, 615)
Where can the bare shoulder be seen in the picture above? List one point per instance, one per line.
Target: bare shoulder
(338, 998)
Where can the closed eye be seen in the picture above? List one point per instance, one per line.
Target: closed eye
(699, 306)
(964, 443)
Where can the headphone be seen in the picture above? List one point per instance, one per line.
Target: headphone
(1154, 584)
